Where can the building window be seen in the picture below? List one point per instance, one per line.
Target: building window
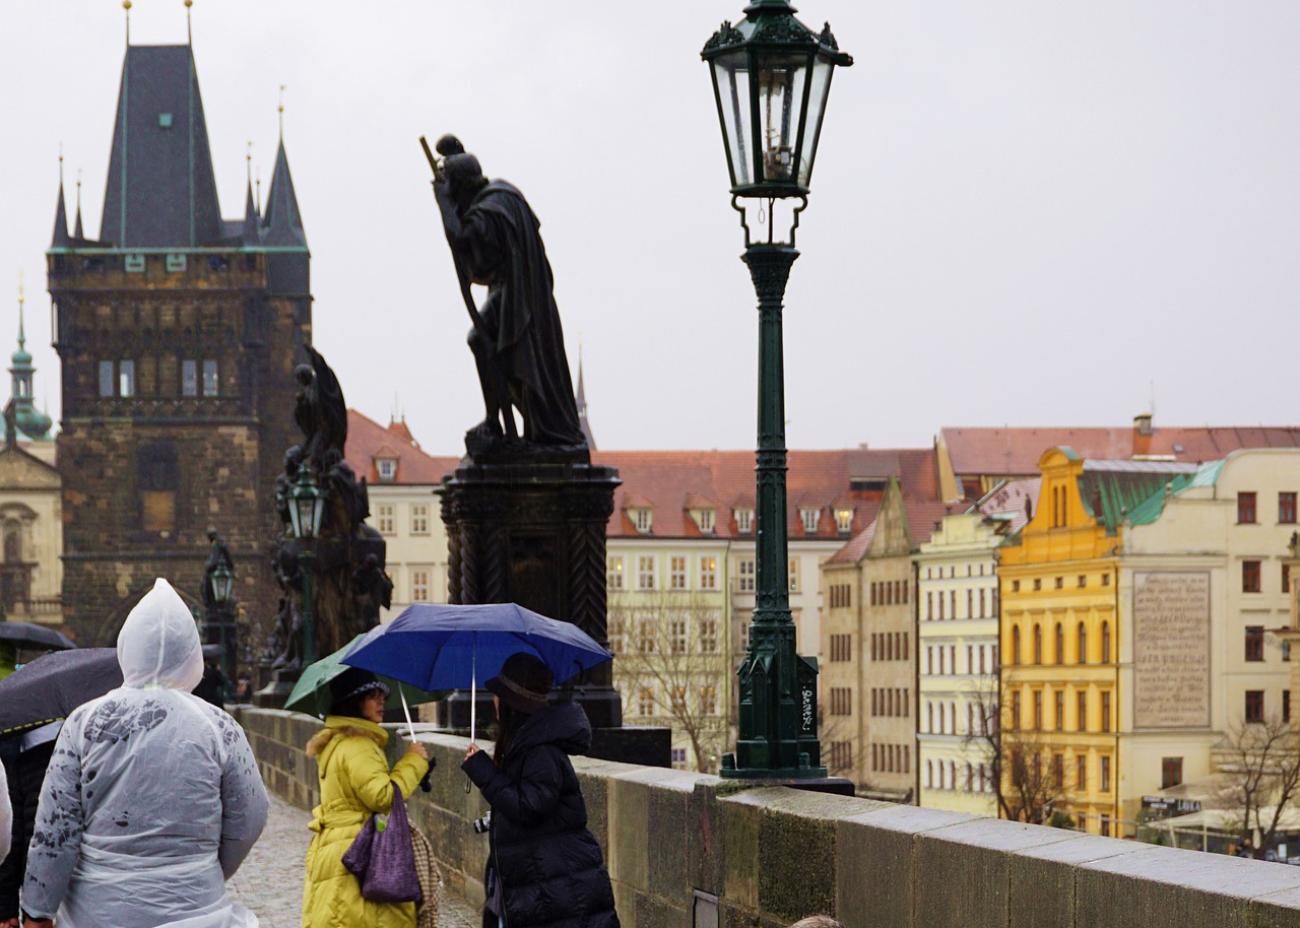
(1286, 578)
(1254, 642)
(708, 572)
(842, 700)
(614, 573)
(1250, 577)
(1083, 644)
(1015, 586)
(794, 575)
(970, 604)
(1038, 584)
(744, 520)
(677, 573)
(645, 702)
(1105, 711)
(1081, 773)
(1038, 710)
(1015, 644)
(617, 629)
(419, 586)
(1105, 579)
(1245, 508)
(709, 700)
(709, 636)
(1015, 710)
(642, 519)
(211, 382)
(420, 519)
(1105, 642)
(189, 378)
(645, 572)
(1059, 698)
(1059, 644)
(1286, 705)
(1060, 583)
(679, 758)
(810, 518)
(1058, 770)
(126, 378)
(1081, 711)
(158, 473)
(745, 575)
(1038, 644)
(384, 516)
(844, 520)
(387, 469)
(1082, 582)
(645, 636)
(1171, 772)
(1286, 508)
(1105, 777)
(677, 636)
(1105, 819)
(1254, 705)
(705, 519)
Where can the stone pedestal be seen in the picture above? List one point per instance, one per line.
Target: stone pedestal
(528, 526)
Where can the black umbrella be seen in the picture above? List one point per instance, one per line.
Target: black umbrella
(30, 635)
(51, 686)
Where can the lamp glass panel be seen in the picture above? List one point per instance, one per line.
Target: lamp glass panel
(821, 85)
(731, 77)
(305, 526)
(781, 81)
(295, 523)
(318, 510)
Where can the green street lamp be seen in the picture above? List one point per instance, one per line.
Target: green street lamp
(222, 583)
(771, 80)
(306, 508)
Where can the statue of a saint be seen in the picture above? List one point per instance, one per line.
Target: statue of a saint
(517, 340)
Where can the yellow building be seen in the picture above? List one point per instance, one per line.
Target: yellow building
(1060, 636)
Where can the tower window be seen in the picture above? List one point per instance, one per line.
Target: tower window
(126, 378)
(189, 378)
(105, 378)
(211, 382)
(158, 475)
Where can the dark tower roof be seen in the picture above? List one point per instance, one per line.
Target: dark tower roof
(161, 192)
(581, 400)
(249, 231)
(60, 238)
(282, 224)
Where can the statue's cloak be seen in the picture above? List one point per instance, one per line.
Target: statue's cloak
(501, 235)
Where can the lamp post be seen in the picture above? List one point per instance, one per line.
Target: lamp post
(306, 506)
(221, 580)
(771, 80)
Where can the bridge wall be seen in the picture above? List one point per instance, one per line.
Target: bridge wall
(692, 851)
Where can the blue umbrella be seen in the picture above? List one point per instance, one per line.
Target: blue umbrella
(440, 647)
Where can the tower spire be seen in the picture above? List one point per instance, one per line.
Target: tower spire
(126, 5)
(581, 401)
(280, 110)
(60, 239)
(77, 231)
(22, 336)
(189, 29)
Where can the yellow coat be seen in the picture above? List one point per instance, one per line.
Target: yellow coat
(355, 783)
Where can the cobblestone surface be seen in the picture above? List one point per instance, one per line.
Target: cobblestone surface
(270, 881)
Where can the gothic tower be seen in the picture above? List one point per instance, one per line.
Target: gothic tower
(178, 333)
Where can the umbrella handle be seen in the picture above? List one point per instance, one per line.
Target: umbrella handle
(406, 710)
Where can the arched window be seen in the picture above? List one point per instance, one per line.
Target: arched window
(929, 717)
(1015, 644)
(13, 543)
(970, 778)
(1083, 644)
(1038, 643)
(952, 774)
(1105, 642)
(952, 717)
(929, 774)
(1060, 644)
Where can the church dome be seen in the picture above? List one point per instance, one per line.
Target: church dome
(32, 422)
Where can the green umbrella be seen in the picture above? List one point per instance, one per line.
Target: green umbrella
(311, 694)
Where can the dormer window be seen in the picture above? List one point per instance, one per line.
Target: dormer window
(642, 519)
(810, 518)
(744, 520)
(387, 468)
(705, 519)
(843, 520)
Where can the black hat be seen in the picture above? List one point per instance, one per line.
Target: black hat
(352, 683)
(523, 683)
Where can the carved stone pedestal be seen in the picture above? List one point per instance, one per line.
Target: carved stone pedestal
(528, 526)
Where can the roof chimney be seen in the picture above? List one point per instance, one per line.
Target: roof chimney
(1142, 423)
(1142, 431)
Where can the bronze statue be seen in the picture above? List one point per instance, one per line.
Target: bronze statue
(516, 338)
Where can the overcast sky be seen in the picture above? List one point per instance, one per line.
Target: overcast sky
(1023, 213)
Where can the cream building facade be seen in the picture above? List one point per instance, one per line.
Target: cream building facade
(1202, 583)
(403, 485)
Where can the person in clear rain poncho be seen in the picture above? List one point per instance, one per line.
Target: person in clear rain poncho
(152, 798)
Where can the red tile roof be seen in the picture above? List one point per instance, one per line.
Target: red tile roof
(1015, 451)
(367, 440)
(670, 481)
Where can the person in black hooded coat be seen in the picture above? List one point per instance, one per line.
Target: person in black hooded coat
(545, 869)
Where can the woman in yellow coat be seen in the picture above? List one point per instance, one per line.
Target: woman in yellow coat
(355, 783)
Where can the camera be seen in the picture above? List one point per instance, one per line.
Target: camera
(481, 825)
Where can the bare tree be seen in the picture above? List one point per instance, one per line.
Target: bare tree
(1025, 789)
(671, 648)
(1263, 777)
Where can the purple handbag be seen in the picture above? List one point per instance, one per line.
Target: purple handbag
(382, 859)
